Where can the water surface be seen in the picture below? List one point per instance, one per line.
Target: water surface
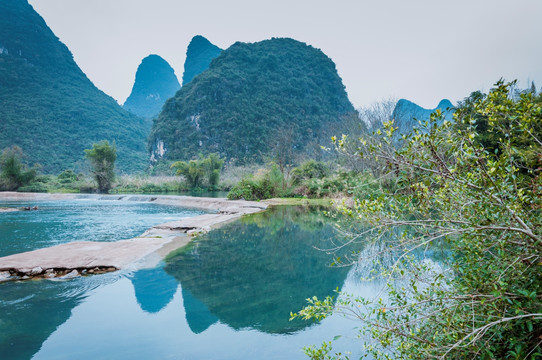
(228, 295)
(58, 222)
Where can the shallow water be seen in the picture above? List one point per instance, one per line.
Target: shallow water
(227, 295)
(58, 222)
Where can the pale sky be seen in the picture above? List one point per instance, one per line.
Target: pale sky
(421, 50)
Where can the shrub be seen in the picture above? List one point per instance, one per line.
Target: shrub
(310, 169)
(14, 173)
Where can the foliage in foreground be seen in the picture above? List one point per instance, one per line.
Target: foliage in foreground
(486, 206)
(311, 179)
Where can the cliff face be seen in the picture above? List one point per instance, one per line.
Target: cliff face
(199, 55)
(49, 107)
(255, 99)
(155, 82)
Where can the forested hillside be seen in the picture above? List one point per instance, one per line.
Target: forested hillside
(48, 106)
(254, 99)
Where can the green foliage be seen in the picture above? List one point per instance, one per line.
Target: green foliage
(251, 94)
(67, 177)
(213, 165)
(324, 352)
(102, 158)
(310, 169)
(312, 179)
(13, 173)
(195, 171)
(49, 107)
(266, 185)
(450, 190)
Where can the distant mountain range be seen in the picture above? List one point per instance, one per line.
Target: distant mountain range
(247, 102)
(199, 54)
(155, 82)
(408, 114)
(253, 99)
(155, 79)
(49, 107)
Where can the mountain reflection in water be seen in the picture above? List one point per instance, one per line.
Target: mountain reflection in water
(254, 272)
(226, 295)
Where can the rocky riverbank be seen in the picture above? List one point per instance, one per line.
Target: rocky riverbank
(83, 257)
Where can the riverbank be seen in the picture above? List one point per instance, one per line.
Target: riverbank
(83, 257)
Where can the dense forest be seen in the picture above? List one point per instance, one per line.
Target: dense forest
(253, 99)
(50, 109)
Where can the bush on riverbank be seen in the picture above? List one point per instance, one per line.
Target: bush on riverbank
(312, 179)
(13, 173)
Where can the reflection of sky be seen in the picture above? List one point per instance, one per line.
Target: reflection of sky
(110, 323)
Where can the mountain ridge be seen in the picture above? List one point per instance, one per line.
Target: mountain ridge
(49, 107)
(199, 54)
(407, 114)
(155, 82)
(252, 95)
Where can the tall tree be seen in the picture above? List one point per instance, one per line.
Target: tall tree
(102, 158)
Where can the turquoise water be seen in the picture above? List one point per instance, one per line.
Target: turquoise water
(58, 222)
(227, 295)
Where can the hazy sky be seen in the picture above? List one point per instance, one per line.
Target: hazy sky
(421, 50)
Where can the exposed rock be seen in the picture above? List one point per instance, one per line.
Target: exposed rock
(35, 271)
(5, 276)
(101, 257)
(251, 100)
(72, 274)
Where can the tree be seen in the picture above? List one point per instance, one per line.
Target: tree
(14, 173)
(283, 153)
(195, 171)
(450, 190)
(213, 165)
(102, 158)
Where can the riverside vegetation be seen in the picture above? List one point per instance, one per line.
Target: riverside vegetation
(474, 186)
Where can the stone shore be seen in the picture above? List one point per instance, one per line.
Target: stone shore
(84, 257)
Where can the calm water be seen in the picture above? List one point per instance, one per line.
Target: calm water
(227, 295)
(58, 222)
